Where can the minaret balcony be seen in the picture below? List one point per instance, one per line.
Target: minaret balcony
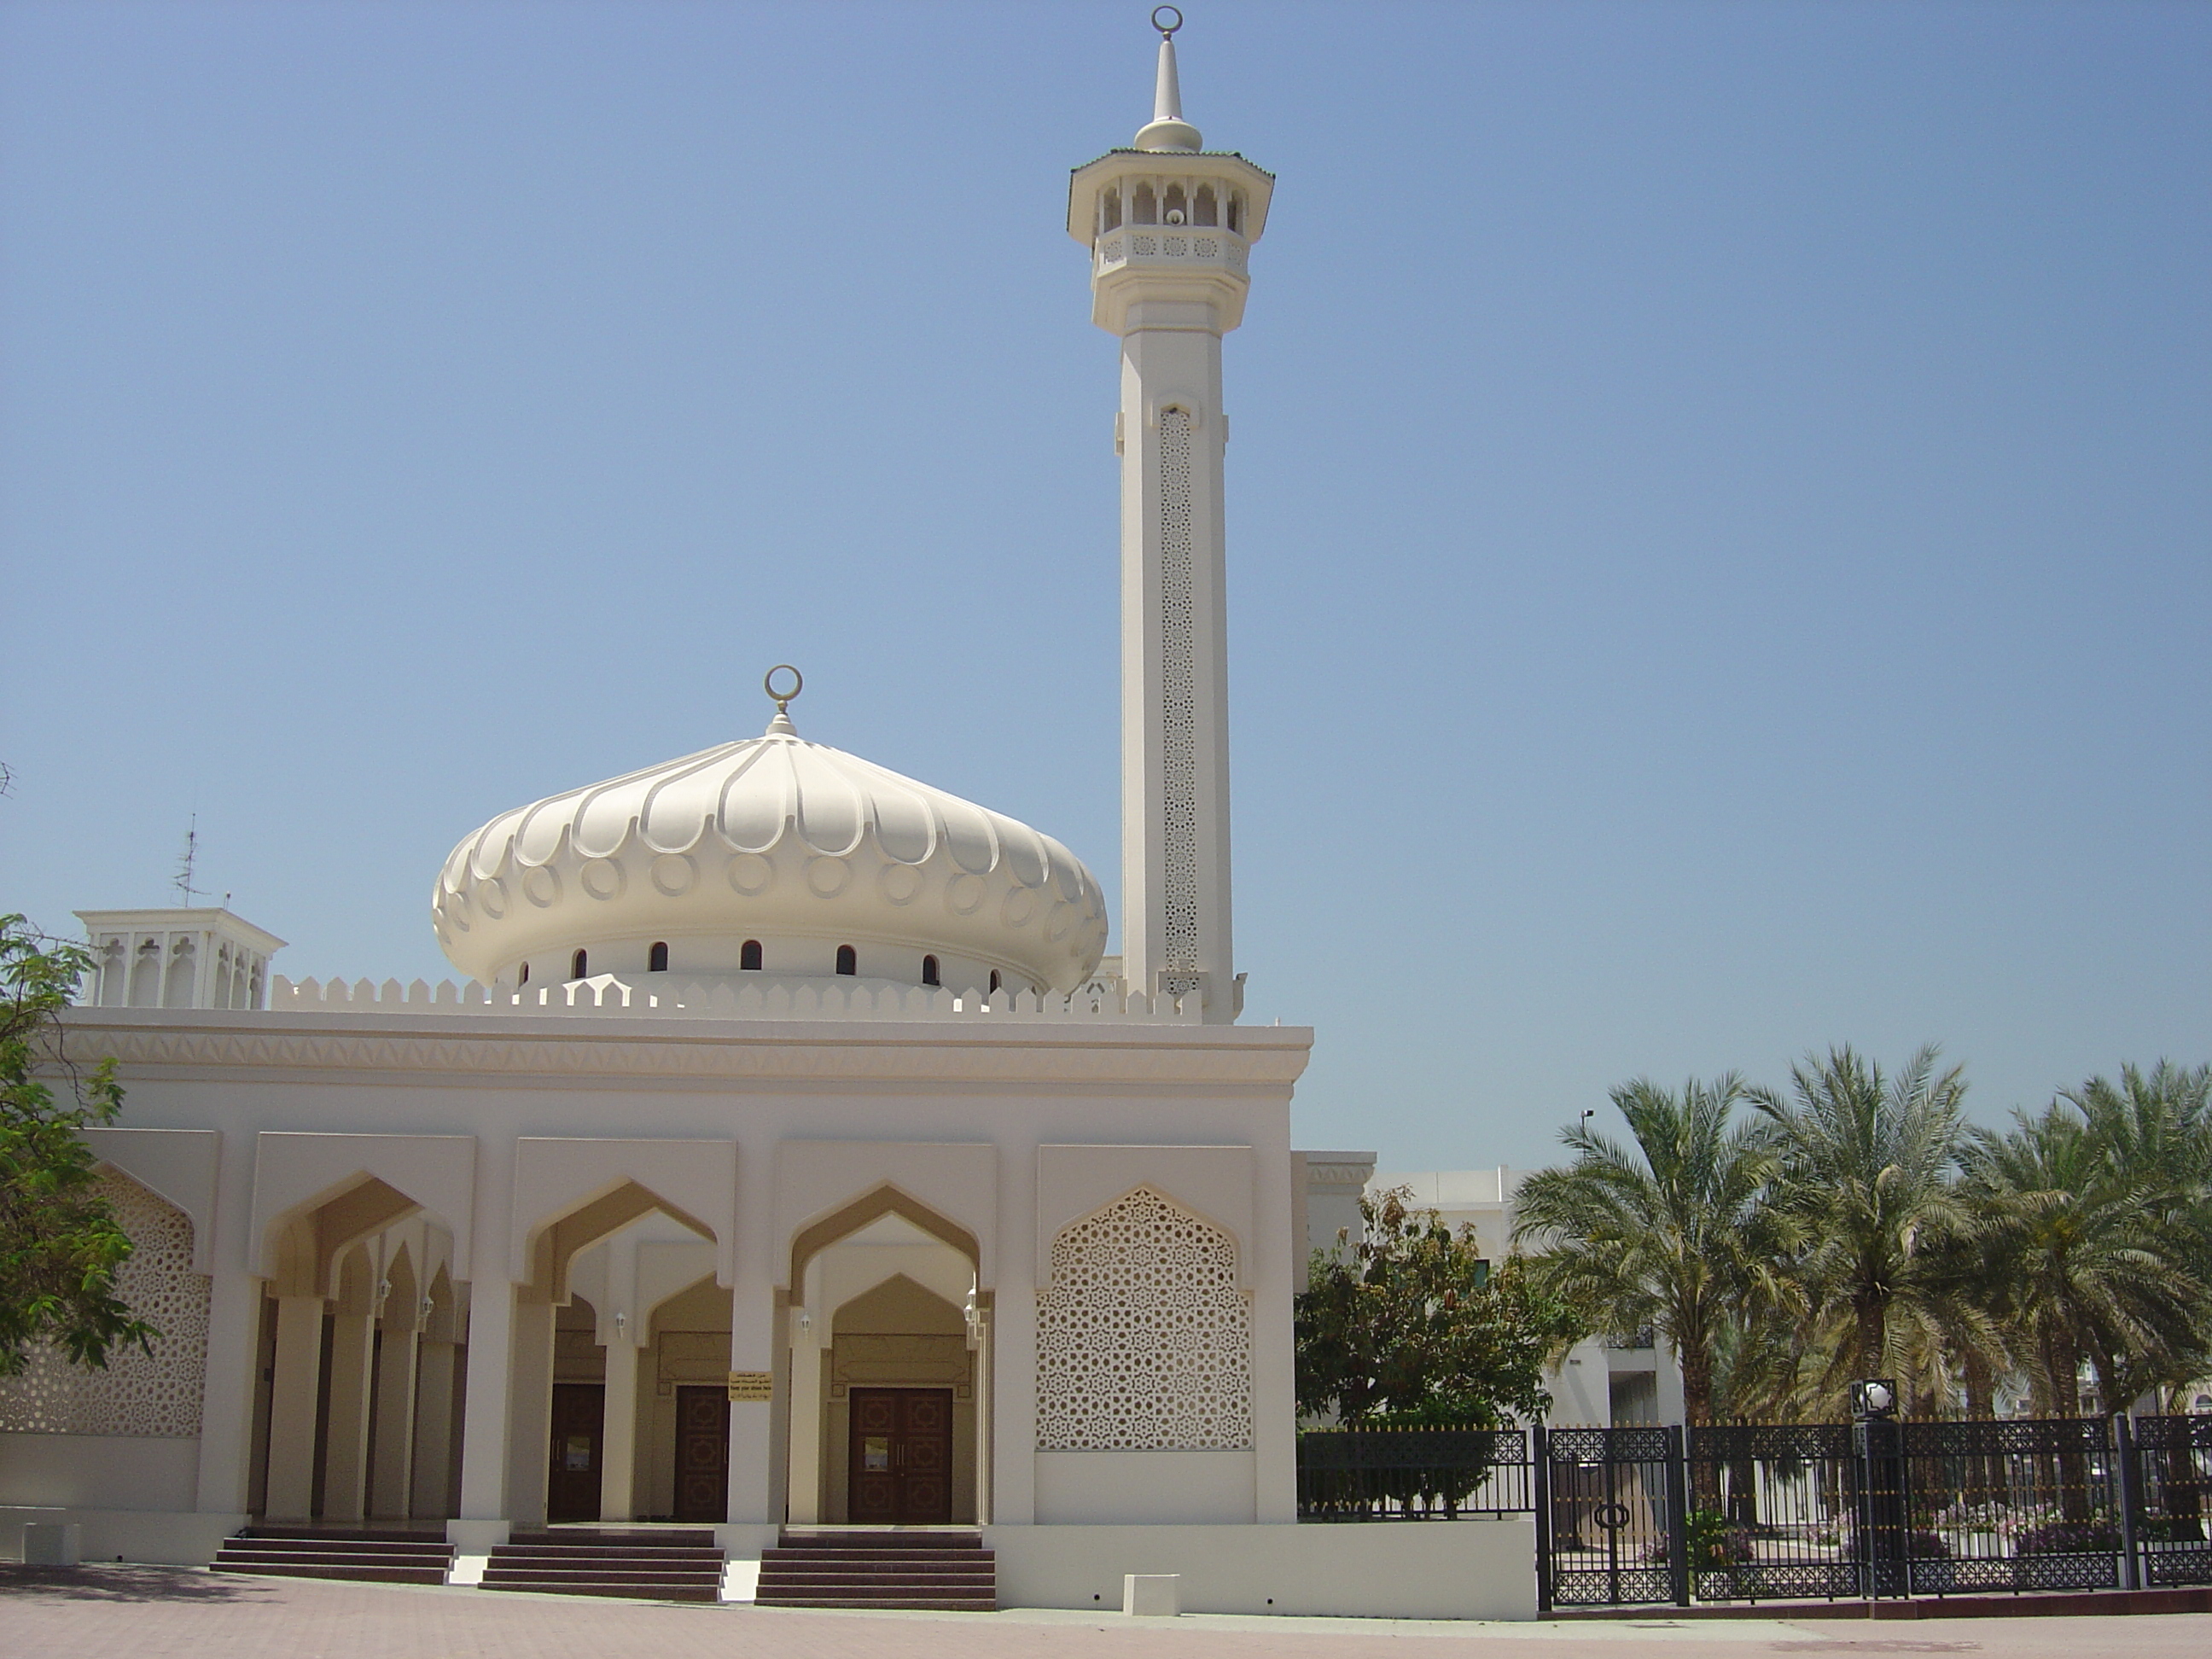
(1177, 245)
(1196, 271)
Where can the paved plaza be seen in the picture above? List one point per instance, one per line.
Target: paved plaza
(153, 1612)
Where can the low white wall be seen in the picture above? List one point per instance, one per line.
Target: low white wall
(1121, 1488)
(98, 1472)
(1377, 1569)
(184, 1540)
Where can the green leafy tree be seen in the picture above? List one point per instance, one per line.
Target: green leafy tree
(1868, 1190)
(1675, 1232)
(1410, 1326)
(60, 1245)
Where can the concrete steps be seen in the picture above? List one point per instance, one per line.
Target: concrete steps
(655, 1566)
(943, 1573)
(362, 1555)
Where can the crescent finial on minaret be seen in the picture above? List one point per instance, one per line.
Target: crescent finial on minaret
(1167, 129)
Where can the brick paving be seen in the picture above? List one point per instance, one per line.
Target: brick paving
(154, 1613)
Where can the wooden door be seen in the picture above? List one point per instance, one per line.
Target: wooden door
(702, 1455)
(900, 1472)
(572, 1480)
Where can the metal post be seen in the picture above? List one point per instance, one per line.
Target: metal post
(2130, 1486)
(1612, 1531)
(1678, 1517)
(1541, 1474)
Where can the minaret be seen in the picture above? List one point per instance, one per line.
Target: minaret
(1168, 226)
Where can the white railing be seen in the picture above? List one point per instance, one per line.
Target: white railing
(719, 999)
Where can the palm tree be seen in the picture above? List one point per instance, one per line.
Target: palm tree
(1672, 1234)
(1867, 1187)
(2152, 1137)
(2083, 1243)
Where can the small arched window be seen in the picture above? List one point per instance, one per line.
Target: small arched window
(580, 966)
(1236, 211)
(929, 971)
(524, 978)
(1175, 215)
(1143, 207)
(995, 981)
(1203, 211)
(848, 960)
(656, 959)
(1110, 208)
(748, 959)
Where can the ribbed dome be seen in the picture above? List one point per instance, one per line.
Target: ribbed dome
(773, 839)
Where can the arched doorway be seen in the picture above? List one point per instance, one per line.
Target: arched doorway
(360, 1332)
(890, 1389)
(622, 1332)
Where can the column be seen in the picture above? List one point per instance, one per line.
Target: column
(753, 1343)
(486, 1429)
(1013, 1343)
(806, 1479)
(345, 1452)
(618, 1433)
(391, 1475)
(530, 1411)
(983, 1423)
(1273, 1253)
(434, 1428)
(234, 1314)
(292, 1398)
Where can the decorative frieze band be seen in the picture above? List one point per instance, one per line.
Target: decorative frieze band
(1266, 1059)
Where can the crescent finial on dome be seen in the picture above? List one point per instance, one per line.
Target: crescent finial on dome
(780, 727)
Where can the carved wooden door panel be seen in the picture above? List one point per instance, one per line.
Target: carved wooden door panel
(901, 1467)
(703, 1454)
(572, 1480)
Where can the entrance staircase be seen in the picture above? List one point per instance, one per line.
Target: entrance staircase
(937, 1572)
(663, 1564)
(371, 1557)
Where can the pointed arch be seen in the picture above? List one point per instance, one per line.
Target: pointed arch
(883, 1199)
(305, 1245)
(555, 1243)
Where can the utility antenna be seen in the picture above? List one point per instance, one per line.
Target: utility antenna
(183, 878)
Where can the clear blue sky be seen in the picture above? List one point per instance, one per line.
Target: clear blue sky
(1719, 511)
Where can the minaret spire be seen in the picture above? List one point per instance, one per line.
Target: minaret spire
(1170, 228)
(1168, 129)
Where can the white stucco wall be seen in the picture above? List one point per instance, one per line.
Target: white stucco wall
(1440, 1570)
(497, 1123)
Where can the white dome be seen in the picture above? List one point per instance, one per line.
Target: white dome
(797, 846)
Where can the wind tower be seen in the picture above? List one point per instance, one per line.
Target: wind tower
(1169, 225)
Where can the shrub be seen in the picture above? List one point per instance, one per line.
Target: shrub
(1712, 1542)
(1920, 1544)
(2068, 1538)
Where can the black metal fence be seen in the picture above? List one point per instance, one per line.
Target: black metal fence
(1413, 1475)
(1771, 1512)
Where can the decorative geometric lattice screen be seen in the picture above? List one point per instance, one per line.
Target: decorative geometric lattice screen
(1178, 705)
(138, 1394)
(1144, 1342)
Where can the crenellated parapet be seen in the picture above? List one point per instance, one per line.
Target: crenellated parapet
(1100, 1000)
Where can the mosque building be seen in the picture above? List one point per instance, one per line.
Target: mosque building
(786, 1159)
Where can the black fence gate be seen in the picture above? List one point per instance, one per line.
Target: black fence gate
(1608, 1521)
(1769, 1512)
